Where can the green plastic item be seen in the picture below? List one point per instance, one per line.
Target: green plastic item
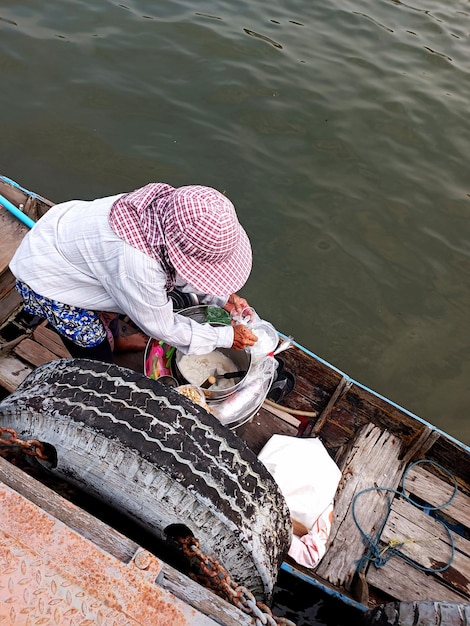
(217, 315)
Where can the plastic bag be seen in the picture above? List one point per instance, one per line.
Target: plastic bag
(251, 395)
(217, 315)
(308, 478)
(159, 359)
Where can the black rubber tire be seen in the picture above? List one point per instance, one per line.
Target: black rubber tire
(157, 457)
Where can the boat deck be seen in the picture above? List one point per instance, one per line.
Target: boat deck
(375, 444)
(47, 544)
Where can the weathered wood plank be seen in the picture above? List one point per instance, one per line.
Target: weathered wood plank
(427, 543)
(363, 406)
(372, 461)
(208, 603)
(34, 206)
(13, 232)
(12, 372)
(423, 442)
(118, 545)
(424, 613)
(419, 520)
(7, 282)
(257, 432)
(418, 481)
(34, 353)
(283, 415)
(404, 582)
(315, 383)
(50, 340)
(9, 302)
(455, 456)
(342, 388)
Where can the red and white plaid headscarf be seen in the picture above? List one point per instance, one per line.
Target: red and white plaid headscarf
(191, 230)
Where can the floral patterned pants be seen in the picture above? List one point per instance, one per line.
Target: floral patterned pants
(82, 327)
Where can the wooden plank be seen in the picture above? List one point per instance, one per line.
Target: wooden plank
(33, 206)
(208, 603)
(421, 445)
(257, 432)
(13, 232)
(7, 282)
(405, 513)
(341, 389)
(455, 456)
(12, 372)
(283, 415)
(118, 545)
(418, 481)
(422, 613)
(372, 461)
(34, 353)
(427, 543)
(8, 303)
(315, 382)
(51, 340)
(404, 582)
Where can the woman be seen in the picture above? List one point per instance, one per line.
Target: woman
(123, 254)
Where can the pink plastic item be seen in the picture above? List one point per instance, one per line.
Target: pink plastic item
(158, 360)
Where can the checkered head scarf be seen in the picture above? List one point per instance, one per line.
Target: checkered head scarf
(192, 231)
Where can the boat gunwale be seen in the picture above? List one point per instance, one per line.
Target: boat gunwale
(384, 399)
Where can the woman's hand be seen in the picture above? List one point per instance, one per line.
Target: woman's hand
(235, 305)
(243, 337)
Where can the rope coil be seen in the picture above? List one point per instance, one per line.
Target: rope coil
(380, 556)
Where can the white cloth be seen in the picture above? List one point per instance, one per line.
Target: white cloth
(73, 256)
(308, 479)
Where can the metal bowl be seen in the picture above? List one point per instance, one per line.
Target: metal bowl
(241, 358)
(268, 339)
(197, 313)
(242, 361)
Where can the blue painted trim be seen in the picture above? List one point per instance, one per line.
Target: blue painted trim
(324, 588)
(377, 395)
(16, 212)
(14, 184)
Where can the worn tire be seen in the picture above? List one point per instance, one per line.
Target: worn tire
(154, 455)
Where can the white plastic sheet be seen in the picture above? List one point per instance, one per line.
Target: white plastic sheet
(308, 478)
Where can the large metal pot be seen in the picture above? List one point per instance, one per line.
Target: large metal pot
(241, 358)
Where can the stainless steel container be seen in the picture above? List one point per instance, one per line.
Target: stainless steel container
(241, 358)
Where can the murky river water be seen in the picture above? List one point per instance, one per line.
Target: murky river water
(339, 130)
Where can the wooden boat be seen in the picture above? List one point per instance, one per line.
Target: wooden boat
(401, 525)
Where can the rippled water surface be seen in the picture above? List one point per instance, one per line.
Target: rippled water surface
(339, 130)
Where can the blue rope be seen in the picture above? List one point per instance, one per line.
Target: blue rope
(380, 557)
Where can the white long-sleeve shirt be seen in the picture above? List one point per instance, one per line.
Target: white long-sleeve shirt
(73, 256)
